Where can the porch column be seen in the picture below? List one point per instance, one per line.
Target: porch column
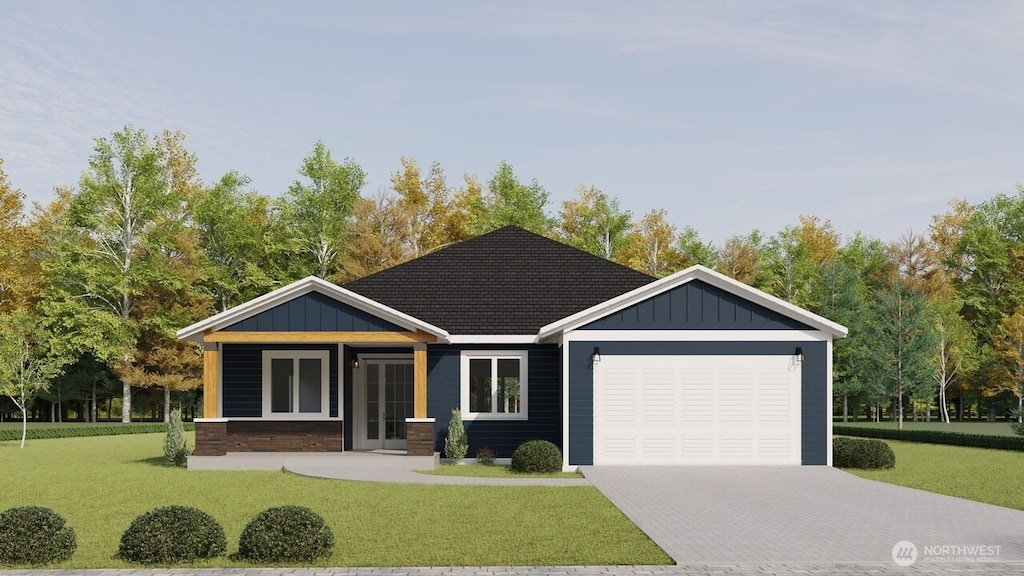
(419, 356)
(211, 380)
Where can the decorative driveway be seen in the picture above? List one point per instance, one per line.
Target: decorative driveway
(804, 514)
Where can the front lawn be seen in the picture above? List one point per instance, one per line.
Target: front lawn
(980, 474)
(100, 484)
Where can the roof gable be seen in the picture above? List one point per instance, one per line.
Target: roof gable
(695, 305)
(506, 282)
(715, 295)
(314, 312)
(282, 299)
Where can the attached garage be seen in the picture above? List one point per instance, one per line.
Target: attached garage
(697, 410)
(696, 369)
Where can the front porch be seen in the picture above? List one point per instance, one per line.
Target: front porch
(336, 463)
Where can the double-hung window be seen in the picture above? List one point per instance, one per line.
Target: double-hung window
(296, 384)
(494, 385)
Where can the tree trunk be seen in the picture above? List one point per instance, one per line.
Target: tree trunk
(846, 412)
(960, 407)
(126, 403)
(992, 412)
(928, 410)
(93, 408)
(167, 404)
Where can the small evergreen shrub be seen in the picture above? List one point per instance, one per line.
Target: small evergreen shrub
(456, 443)
(172, 534)
(175, 449)
(485, 455)
(286, 534)
(34, 535)
(866, 454)
(537, 456)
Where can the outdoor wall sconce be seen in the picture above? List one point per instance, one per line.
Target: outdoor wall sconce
(799, 355)
(355, 363)
(596, 356)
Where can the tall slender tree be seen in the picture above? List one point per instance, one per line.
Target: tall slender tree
(509, 202)
(594, 222)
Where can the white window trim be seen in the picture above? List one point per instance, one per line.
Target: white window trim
(524, 386)
(325, 376)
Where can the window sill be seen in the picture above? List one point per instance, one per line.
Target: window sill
(469, 416)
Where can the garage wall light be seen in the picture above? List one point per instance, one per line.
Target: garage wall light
(596, 356)
(355, 363)
(799, 354)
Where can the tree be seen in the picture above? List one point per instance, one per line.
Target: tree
(318, 212)
(593, 222)
(1009, 348)
(838, 297)
(792, 259)
(954, 347)
(900, 341)
(694, 250)
(651, 246)
(456, 443)
(26, 363)
(917, 263)
(740, 258)
(379, 237)
(509, 202)
(18, 271)
(431, 215)
(241, 239)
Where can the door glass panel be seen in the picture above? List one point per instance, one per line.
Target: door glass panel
(398, 398)
(479, 384)
(508, 386)
(372, 401)
(310, 386)
(281, 384)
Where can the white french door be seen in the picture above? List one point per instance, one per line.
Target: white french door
(386, 401)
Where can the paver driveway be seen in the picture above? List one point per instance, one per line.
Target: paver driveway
(801, 514)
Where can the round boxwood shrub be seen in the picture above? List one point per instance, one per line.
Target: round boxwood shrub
(286, 534)
(172, 534)
(34, 535)
(537, 456)
(863, 453)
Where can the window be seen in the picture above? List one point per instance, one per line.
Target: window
(296, 384)
(494, 385)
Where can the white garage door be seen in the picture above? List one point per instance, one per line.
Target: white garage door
(697, 410)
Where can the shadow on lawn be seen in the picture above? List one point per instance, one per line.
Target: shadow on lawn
(159, 461)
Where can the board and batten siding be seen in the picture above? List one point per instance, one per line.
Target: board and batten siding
(814, 410)
(314, 312)
(696, 305)
(503, 436)
(242, 377)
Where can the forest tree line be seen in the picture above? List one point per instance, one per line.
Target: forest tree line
(94, 285)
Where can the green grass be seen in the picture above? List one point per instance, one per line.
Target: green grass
(100, 484)
(979, 474)
(986, 428)
(496, 471)
(16, 424)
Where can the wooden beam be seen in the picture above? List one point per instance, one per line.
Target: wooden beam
(419, 371)
(211, 381)
(320, 337)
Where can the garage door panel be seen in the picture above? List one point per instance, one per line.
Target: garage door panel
(697, 410)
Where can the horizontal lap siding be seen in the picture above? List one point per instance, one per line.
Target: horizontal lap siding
(242, 377)
(695, 305)
(815, 404)
(314, 312)
(503, 436)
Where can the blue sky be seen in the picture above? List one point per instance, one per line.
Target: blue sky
(730, 115)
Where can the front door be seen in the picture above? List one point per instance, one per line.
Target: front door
(387, 400)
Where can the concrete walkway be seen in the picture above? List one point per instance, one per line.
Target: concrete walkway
(803, 514)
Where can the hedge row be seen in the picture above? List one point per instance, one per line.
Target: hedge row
(80, 430)
(935, 437)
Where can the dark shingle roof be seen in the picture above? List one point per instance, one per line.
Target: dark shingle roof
(509, 281)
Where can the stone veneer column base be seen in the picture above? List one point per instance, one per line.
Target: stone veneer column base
(419, 436)
(211, 437)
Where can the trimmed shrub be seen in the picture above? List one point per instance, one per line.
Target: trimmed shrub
(863, 453)
(84, 429)
(175, 449)
(934, 437)
(537, 456)
(456, 443)
(34, 535)
(172, 534)
(286, 534)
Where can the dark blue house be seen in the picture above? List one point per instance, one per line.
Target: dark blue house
(529, 338)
